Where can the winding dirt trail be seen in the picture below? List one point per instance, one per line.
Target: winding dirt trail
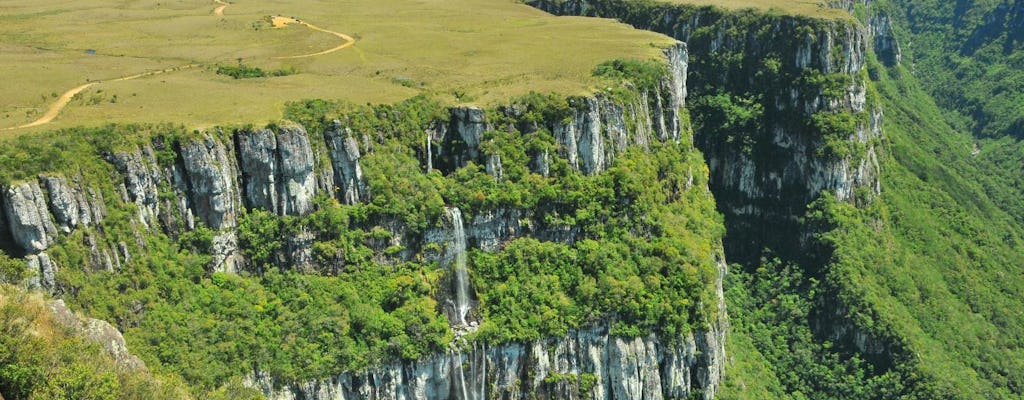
(280, 22)
(219, 11)
(66, 98)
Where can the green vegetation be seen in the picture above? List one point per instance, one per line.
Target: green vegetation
(970, 57)
(645, 75)
(924, 269)
(243, 71)
(814, 8)
(39, 359)
(779, 356)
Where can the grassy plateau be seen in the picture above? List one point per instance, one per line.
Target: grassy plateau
(458, 51)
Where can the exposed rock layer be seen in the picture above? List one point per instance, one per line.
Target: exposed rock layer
(556, 368)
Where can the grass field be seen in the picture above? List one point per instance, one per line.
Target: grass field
(461, 51)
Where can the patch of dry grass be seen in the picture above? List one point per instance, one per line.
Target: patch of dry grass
(460, 51)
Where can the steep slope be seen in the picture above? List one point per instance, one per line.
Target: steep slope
(910, 293)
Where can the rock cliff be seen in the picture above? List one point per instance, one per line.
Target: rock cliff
(791, 71)
(768, 94)
(585, 364)
(212, 180)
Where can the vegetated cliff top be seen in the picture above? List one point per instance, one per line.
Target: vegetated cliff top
(810, 8)
(461, 51)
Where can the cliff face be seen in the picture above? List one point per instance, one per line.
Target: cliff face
(215, 179)
(782, 115)
(879, 26)
(791, 71)
(585, 364)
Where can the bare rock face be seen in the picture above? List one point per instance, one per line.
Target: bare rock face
(468, 123)
(348, 174)
(886, 44)
(97, 331)
(257, 154)
(141, 182)
(28, 217)
(277, 170)
(215, 196)
(615, 368)
(42, 270)
(211, 175)
(63, 203)
(297, 182)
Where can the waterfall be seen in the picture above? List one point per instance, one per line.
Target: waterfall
(471, 384)
(461, 280)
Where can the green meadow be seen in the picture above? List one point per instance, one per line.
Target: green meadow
(457, 51)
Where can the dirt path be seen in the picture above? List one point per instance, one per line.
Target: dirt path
(219, 11)
(279, 22)
(65, 98)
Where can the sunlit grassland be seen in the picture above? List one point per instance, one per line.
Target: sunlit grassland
(459, 51)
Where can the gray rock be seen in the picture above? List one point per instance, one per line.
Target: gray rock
(493, 166)
(887, 47)
(99, 332)
(468, 124)
(348, 174)
(141, 182)
(257, 153)
(491, 230)
(63, 203)
(541, 164)
(27, 217)
(42, 272)
(211, 176)
(225, 253)
(297, 183)
(300, 251)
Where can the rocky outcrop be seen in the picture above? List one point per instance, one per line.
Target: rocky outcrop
(468, 124)
(277, 170)
(587, 363)
(297, 185)
(99, 332)
(887, 46)
(42, 272)
(598, 128)
(64, 206)
(454, 143)
(141, 178)
(879, 26)
(28, 217)
(211, 174)
(257, 153)
(214, 195)
(343, 149)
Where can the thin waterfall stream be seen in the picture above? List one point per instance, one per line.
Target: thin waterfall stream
(461, 278)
